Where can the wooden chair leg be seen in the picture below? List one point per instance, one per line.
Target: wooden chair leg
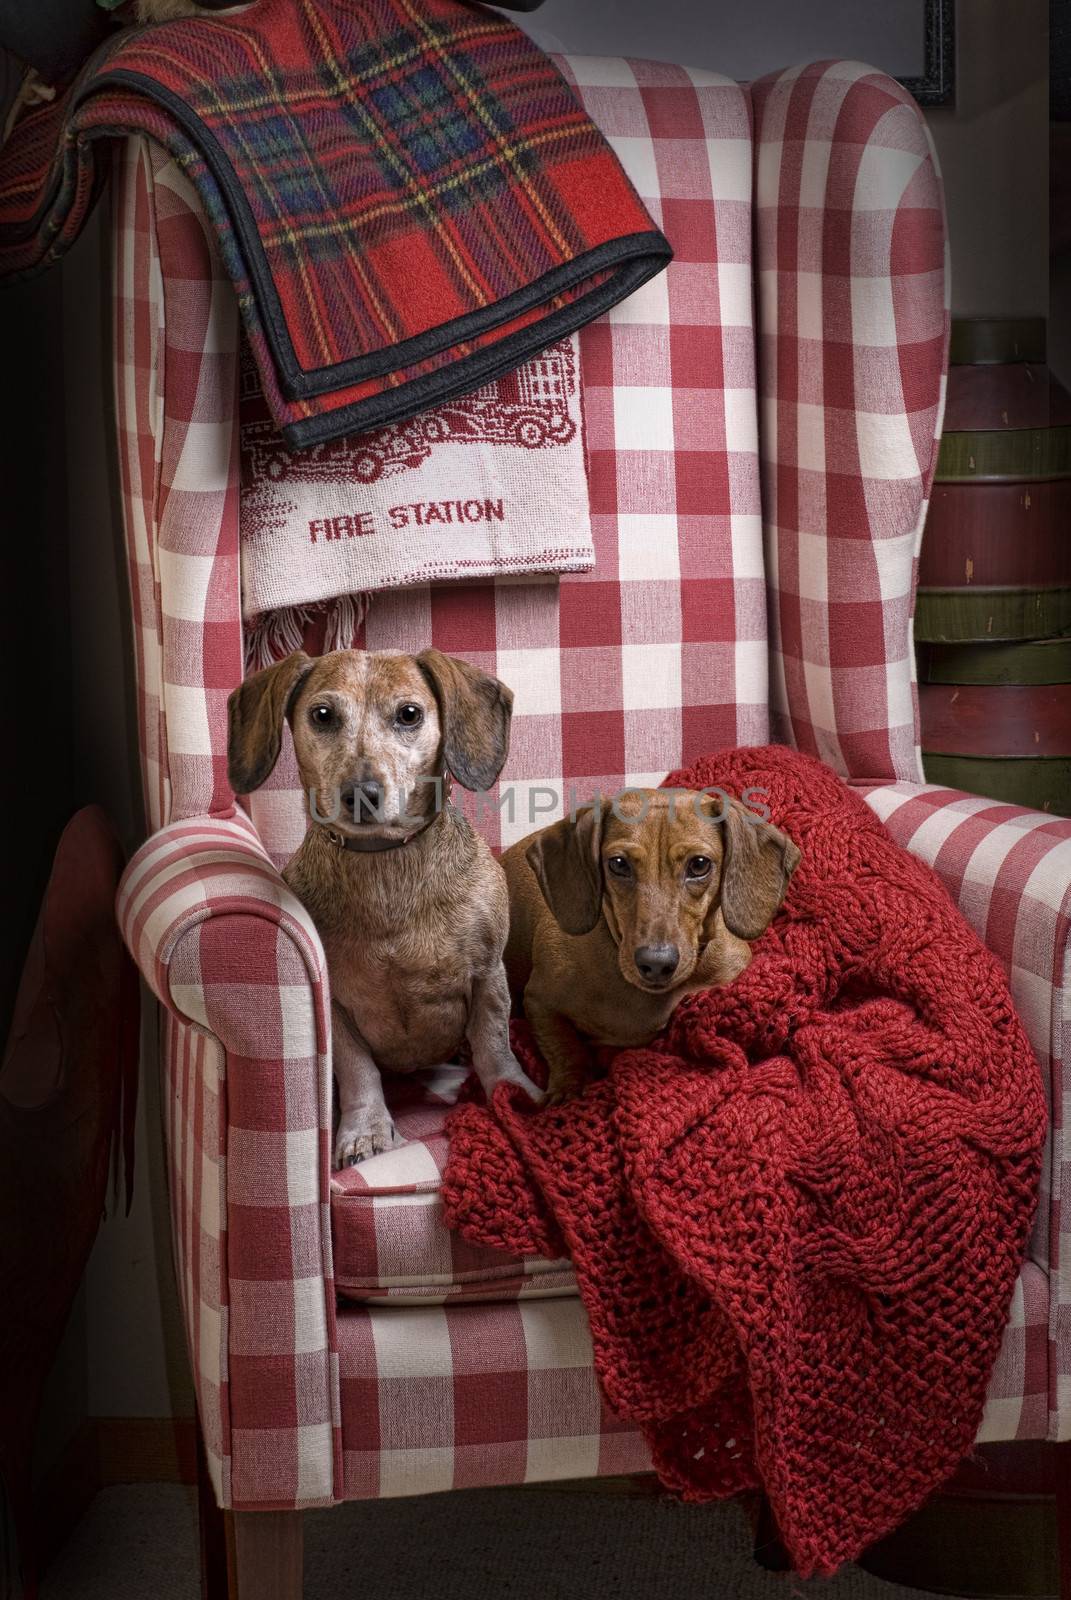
(267, 1553)
(1062, 1454)
(246, 1555)
(211, 1521)
(767, 1549)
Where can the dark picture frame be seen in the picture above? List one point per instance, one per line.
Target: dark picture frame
(937, 85)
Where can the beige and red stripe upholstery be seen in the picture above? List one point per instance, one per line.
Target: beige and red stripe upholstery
(852, 287)
(1009, 871)
(442, 1371)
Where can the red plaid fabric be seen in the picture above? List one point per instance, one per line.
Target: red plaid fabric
(408, 199)
(301, 1405)
(853, 296)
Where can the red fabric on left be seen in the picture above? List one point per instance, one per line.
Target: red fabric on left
(797, 1218)
(68, 1094)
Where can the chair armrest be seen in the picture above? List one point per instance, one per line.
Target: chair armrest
(1009, 871)
(236, 960)
(199, 869)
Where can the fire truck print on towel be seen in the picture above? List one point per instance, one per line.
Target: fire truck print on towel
(491, 483)
(529, 407)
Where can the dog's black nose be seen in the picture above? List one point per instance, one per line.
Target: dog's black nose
(363, 801)
(657, 962)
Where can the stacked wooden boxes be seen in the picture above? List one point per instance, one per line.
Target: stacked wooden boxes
(993, 621)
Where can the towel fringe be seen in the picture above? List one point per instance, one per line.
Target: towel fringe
(274, 635)
(344, 616)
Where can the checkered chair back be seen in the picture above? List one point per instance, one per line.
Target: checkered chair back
(853, 307)
(661, 652)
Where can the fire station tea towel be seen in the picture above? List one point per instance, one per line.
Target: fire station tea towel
(493, 483)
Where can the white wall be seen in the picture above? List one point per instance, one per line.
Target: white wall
(994, 153)
(724, 36)
(993, 146)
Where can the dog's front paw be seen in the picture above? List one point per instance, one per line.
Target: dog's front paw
(362, 1135)
(509, 1070)
(567, 1087)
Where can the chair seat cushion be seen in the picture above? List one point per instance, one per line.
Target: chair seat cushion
(390, 1240)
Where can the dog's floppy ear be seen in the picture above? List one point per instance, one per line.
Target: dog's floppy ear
(475, 711)
(757, 863)
(567, 862)
(255, 714)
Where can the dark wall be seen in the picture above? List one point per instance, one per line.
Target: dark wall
(1060, 189)
(36, 733)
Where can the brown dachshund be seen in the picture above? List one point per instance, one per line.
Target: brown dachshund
(409, 902)
(619, 913)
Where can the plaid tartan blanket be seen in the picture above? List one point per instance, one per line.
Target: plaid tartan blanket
(406, 194)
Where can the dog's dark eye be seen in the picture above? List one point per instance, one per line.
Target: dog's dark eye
(619, 866)
(321, 716)
(698, 867)
(409, 715)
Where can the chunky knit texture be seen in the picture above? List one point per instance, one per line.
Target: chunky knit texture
(796, 1218)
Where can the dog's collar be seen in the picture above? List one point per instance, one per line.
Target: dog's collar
(364, 846)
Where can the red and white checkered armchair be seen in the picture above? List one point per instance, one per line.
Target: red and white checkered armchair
(761, 424)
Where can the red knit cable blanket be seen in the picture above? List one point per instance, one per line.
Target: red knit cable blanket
(797, 1217)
